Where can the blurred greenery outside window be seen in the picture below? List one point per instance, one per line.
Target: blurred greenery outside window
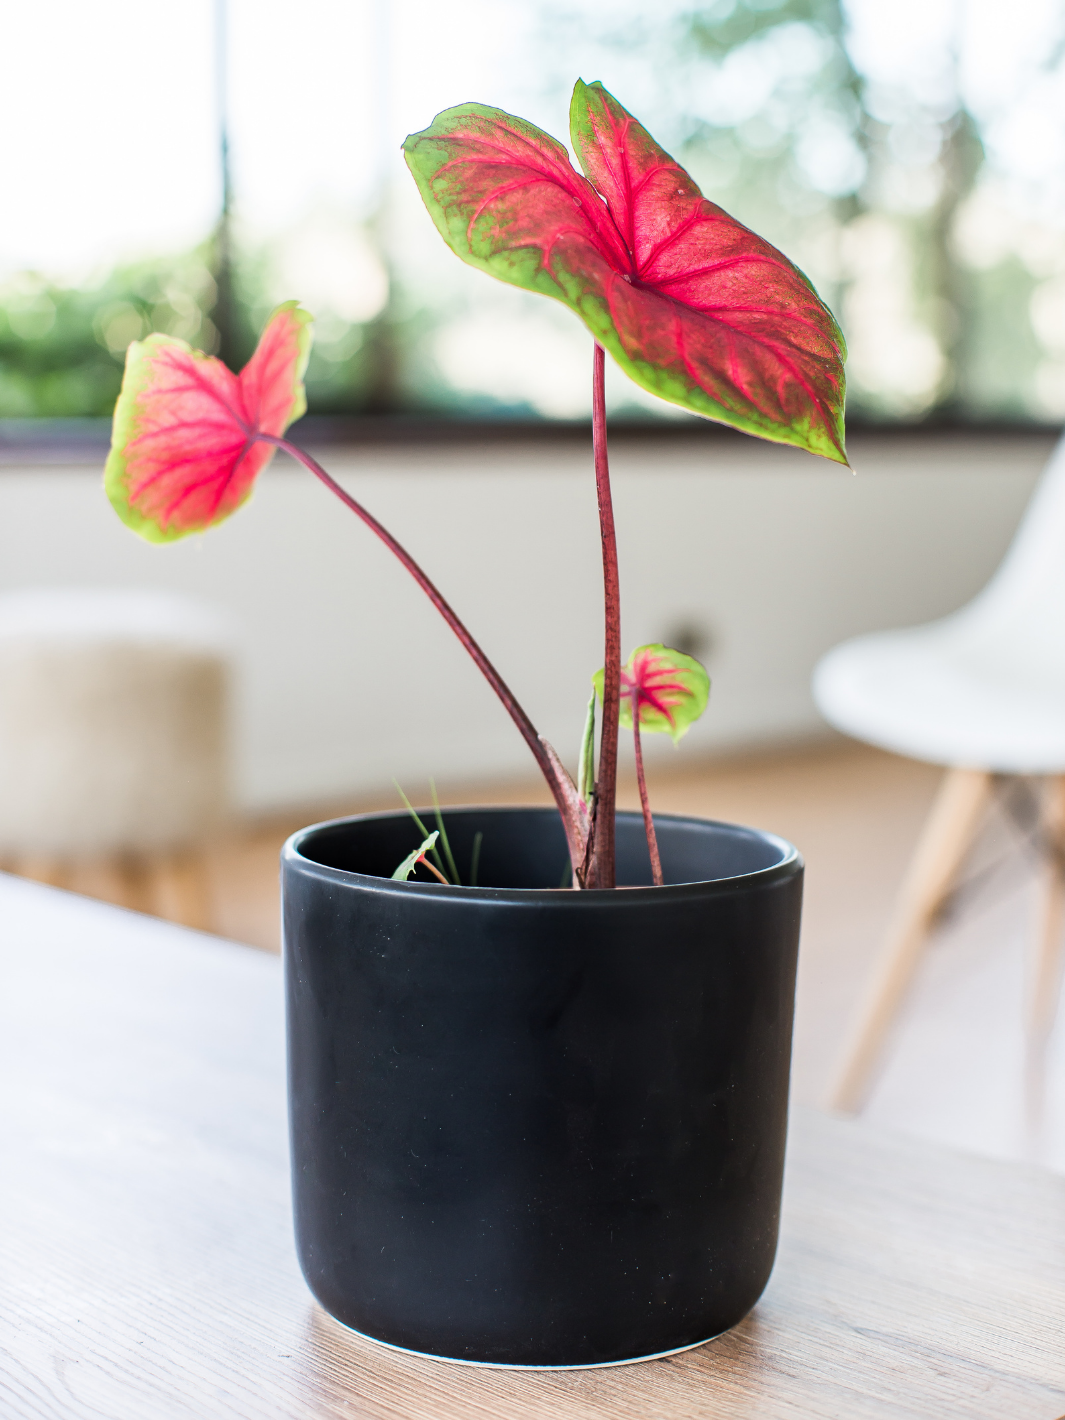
(952, 303)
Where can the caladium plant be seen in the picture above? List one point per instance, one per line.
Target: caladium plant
(692, 305)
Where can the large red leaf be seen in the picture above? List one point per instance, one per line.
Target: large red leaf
(186, 446)
(693, 306)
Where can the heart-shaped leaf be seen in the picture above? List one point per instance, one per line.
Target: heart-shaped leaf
(670, 689)
(692, 305)
(186, 444)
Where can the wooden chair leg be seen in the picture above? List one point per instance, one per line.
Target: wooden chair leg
(944, 842)
(1046, 986)
(182, 890)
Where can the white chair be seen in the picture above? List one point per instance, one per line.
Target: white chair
(113, 743)
(981, 692)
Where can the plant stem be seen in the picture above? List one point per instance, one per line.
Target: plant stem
(648, 821)
(603, 870)
(550, 769)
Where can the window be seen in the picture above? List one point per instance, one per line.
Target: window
(909, 157)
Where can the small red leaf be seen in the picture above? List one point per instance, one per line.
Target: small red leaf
(693, 306)
(667, 689)
(187, 446)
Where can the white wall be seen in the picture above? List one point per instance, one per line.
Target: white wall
(348, 677)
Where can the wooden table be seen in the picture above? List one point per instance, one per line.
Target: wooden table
(147, 1268)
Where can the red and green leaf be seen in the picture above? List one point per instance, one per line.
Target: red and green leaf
(669, 690)
(692, 305)
(187, 441)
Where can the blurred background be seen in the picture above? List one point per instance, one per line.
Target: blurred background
(182, 168)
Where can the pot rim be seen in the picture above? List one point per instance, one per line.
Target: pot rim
(791, 862)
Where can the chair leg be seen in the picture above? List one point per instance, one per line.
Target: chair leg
(1043, 1006)
(944, 842)
(182, 890)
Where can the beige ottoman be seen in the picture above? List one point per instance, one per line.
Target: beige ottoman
(113, 743)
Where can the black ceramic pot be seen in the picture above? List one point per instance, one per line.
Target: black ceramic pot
(532, 1126)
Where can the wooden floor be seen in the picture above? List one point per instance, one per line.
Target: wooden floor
(956, 1068)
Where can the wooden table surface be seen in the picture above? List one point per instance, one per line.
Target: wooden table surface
(147, 1267)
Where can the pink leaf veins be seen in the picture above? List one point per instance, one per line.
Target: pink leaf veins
(190, 436)
(691, 304)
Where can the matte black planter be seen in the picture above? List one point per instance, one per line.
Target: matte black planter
(538, 1128)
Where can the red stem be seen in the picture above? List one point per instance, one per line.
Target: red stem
(434, 870)
(648, 821)
(603, 870)
(484, 665)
